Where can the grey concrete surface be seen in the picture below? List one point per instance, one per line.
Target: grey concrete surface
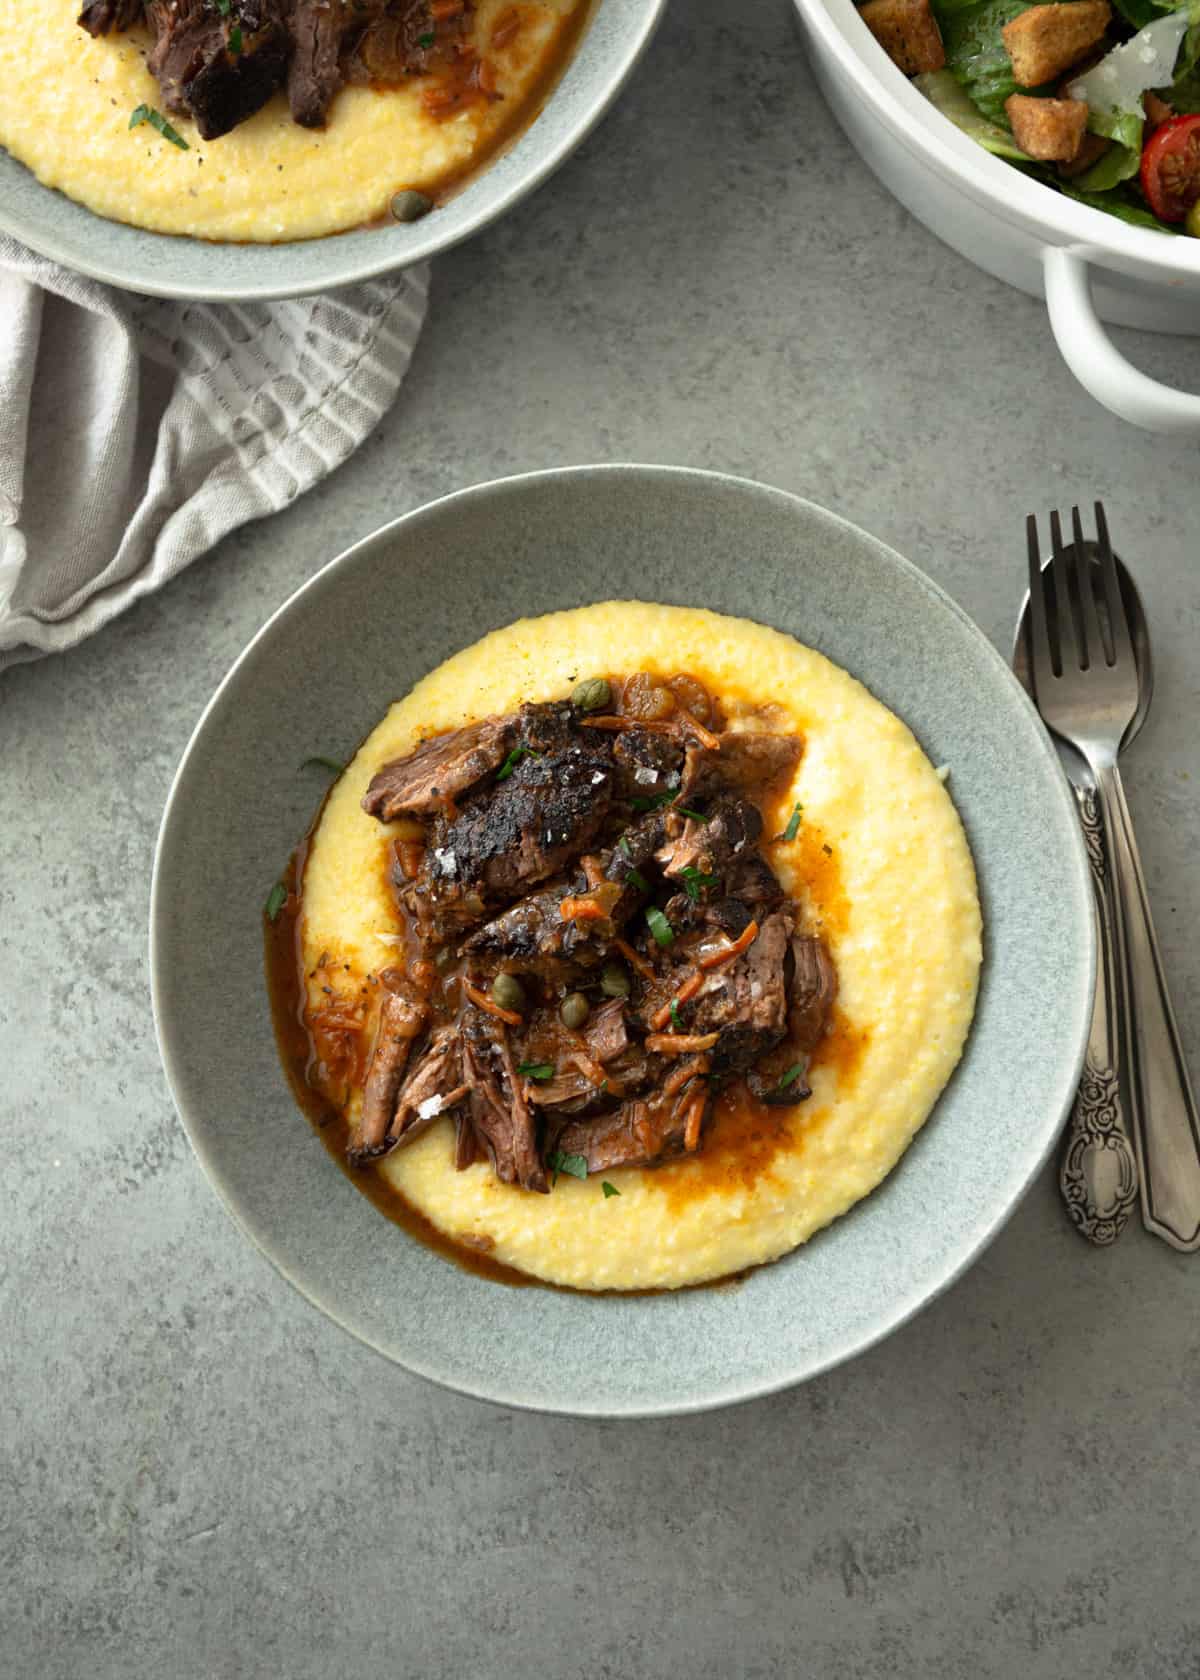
(198, 1475)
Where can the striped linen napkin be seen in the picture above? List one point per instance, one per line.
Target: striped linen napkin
(135, 433)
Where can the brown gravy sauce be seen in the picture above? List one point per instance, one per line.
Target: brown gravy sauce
(744, 1136)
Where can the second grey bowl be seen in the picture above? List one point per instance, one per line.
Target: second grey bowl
(317, 678)
(165, 265)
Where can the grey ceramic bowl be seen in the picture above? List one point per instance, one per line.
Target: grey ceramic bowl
(167, 266)
(318, 677)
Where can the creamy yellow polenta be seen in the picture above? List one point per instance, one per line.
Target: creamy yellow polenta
(66, 100)
(882, 867)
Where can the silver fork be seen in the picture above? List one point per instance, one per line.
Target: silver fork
(1087, 692)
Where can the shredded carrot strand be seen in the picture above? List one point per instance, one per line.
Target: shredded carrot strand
(679, 1044)
(581, 910)
(683, 1074)
(743, 942)
(593, 1071)
(687, 991)
(613, 724)
(636, 962)
(482, 1001)
(691, 1130)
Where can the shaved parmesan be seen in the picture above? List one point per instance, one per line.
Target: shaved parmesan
(1120, 79)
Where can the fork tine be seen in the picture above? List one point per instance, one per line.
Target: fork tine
(1069, 651)
(1085, 585)
(1122, 644)
(1041, 658)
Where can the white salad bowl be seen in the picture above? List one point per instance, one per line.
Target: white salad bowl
(166, 265)
(1090, 267)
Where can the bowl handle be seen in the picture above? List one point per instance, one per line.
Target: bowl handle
(1097, 363)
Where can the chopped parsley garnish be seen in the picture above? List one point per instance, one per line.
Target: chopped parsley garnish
(696, 816)
(793, 826)
(575, 1166)
(791, 1076)
(659, 926)
(536, 1070)
(224, 7)
(609, 1189)
(675, 1021)
(426, 40)
(276, 899)
(654, 803)
(324, 763)
(514, 758)
(235, 40)
(694, 882)
(632, 875)
(147, 114)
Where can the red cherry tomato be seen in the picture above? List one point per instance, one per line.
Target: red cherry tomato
(1171, 167)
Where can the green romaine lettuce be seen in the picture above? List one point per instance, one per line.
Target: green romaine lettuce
(942, 89)
(975, 53)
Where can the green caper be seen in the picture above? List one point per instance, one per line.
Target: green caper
(574, 1010)
(508, 992)
(593, 695)
(614, 982)
(410, 205)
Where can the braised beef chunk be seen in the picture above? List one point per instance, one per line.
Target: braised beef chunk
(746, 760)
(710, 843)
(99, 16)
(745, 1003)
(499, 1111)
(444, 768)
(551, 861)
(400, 1020)
(813, 990)
(402, 40)
(639, 1132)
(200, 74)
(322, 32)
(434, 1087)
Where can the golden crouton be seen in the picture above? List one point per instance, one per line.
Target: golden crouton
(1050, 130)
(1046, 40)
(907, 32)
(1157, 110)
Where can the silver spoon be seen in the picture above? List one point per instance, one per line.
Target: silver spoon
(1098, 1175)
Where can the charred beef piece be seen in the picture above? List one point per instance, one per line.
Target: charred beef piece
(639, 1132)
(745, 760)
(511, 836)
(401, 1019)
(812, 991)
(198, 74)
(499, 1112)
(99, 16)
(745, 1003)
(648, 764)
(533, 938)
(445, 767)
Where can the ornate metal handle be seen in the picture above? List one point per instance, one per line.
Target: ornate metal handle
(1166, 1114)
(1097, 1173)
